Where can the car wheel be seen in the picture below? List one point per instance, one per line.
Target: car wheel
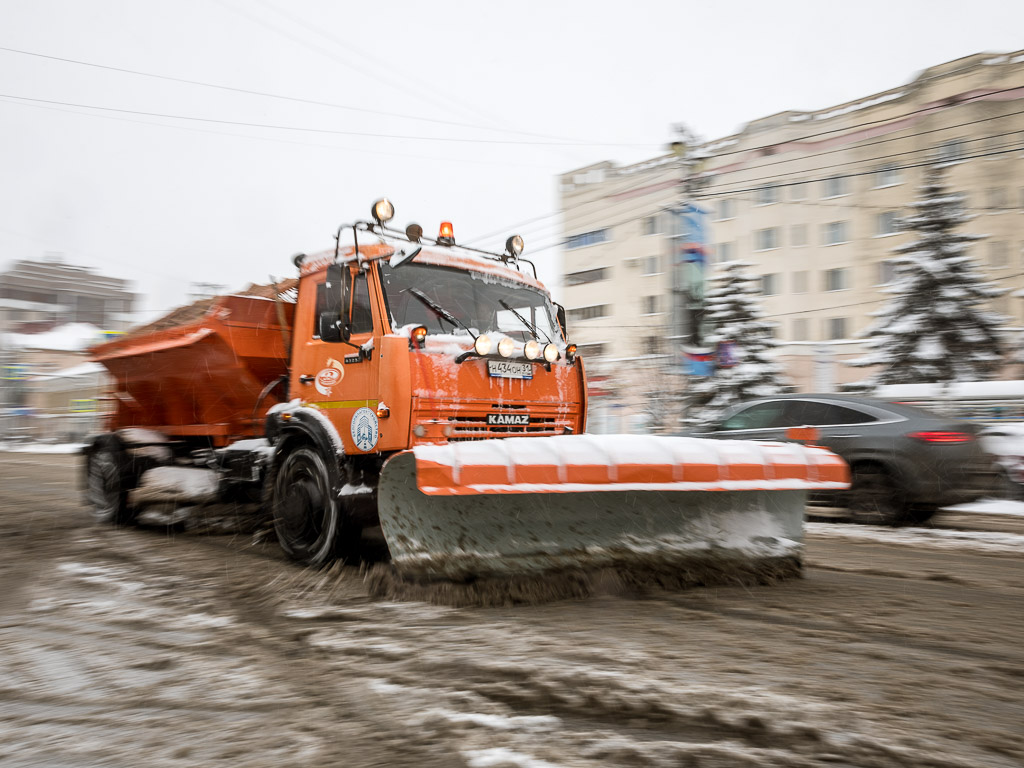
(874, 497)
(1005, 488)
(306, 511)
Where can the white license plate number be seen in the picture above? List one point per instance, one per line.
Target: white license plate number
(505, 369)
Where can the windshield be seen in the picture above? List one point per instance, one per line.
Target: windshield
(482, 303)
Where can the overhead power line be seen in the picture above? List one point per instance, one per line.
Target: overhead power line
(303, 129)
(293, 99)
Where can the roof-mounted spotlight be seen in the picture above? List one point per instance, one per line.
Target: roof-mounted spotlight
(382, 211)
(414, 232)
(514, 246)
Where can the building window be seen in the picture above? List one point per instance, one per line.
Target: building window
(726, 209)
(887, 223)
(835, 328)
(652, 345)
(835, 186)
(725, 252)
(586, 276)
(834, 233)
(770, 285)
(652, 225)
(766, 194)
(649, 305)
(798, 235)
(997, 198)
(800, 329)
(766, 239)
(798, 191)
(886, 176)
(800, 282)
(837, 279)
(651, 265)
(587, 313)
(587, 238)
(886, 271)
(998, 255)
(590, 350)
(950, 151)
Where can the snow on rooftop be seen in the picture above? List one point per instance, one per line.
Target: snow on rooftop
(73, 337)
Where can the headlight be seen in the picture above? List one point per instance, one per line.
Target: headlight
(506, 347)
(382, 211)
(482, 345)
(532, 349)
(514, 246)
(550, 352)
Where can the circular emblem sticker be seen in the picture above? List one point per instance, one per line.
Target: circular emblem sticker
(326, 379)
(364, 429)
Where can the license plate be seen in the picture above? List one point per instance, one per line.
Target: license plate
(508, 419)
(506, 369)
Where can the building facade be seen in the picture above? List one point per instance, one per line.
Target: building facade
(54, 292)
(811, 199)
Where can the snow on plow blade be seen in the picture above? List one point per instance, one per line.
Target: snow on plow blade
(529, 505)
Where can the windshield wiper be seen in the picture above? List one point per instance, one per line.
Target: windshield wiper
(533, 328)
(440, 311)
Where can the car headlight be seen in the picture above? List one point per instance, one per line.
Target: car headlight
(482, 345)
(532, 349)
(506, 347)
(550, 352)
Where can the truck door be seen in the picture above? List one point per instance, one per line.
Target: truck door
(341, 377)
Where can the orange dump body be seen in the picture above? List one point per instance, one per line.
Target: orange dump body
(202, 377)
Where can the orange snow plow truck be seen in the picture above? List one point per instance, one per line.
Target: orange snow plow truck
(429, 389)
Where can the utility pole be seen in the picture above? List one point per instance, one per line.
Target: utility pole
(688, 250)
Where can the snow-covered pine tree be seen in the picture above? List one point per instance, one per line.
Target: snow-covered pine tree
(934, 327)
(737, 328)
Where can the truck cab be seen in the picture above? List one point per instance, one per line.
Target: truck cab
(444, 347)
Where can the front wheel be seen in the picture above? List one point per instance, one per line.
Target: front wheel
(874, 497)
(306, 511)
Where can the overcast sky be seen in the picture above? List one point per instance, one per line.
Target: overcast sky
(464, 111)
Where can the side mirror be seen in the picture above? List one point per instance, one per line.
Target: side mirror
(401, 258)
(330, 325)
(330, 328)
(560, 316)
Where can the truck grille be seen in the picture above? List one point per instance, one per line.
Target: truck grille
(461, 423)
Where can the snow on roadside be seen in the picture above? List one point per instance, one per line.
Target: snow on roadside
(982, 542)
(991, 507)
(42, 447)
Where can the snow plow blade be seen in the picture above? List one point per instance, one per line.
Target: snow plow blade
(525, 506)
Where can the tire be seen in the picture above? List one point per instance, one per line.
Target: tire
(307, 516)
(107, 482)
(874, 497)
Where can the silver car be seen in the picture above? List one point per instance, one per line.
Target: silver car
(905, 462)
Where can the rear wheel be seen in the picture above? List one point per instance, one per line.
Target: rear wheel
(874, 497)
(306, 511)
(106, 486)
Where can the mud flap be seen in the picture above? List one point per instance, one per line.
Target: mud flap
(632, 503)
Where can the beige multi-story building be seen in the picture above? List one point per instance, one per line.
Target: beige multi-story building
(811, 200)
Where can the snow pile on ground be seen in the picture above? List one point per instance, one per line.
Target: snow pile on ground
(982, 542)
